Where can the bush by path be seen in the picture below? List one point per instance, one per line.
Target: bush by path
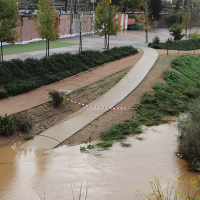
(183, 45)
(18, 76)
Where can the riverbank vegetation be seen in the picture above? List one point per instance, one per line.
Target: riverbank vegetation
(189, 137)
(171, 98)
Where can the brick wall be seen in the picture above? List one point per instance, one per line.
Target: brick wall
(27, 31)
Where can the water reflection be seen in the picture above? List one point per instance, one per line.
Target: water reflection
(112, 174)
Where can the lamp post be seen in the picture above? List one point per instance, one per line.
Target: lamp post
(109, 23)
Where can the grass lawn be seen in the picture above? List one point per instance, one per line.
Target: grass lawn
(33, 46)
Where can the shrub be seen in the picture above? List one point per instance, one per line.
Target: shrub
(183, 45)
(156, 40)
(34, 67)
(22, 122)
(194, 35)
(6, 125)
(177, 32)
(83, 149)
(90, 146)
(189, 136)
(3, 94)
(57, 97)
(48, 79)
(22, 76)
(105, 144)
(117, 131)
(21, 86)
(28, 137)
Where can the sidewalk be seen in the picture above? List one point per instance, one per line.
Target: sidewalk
(61, 131)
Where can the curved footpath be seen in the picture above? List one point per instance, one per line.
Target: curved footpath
(69, 126)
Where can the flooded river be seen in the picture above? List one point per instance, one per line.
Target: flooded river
(112, 174)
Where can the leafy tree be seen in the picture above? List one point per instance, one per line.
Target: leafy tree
(132, 4)
(173, 17)
(144, 20)
(115, 2)
(177, 32)
(105, 20)
(177, 7)
(8, 22)
(186, 19)
(78, 26)
(194, 35)
(167, 6)
(155, 6)
(46, 22)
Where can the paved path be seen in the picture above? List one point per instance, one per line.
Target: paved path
(61, 131)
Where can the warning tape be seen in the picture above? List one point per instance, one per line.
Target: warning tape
(82, 104)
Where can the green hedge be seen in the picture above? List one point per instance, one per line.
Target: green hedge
(18, 76)
(183, 45)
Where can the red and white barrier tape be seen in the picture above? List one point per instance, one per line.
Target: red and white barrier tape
(82, 104)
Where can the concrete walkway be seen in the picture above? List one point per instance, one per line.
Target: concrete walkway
(61, 131)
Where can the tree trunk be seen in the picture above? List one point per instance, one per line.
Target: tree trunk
(80, 43)
(124, 7)
(1, 51)
(105, 41)
(66, 5)
(146, 36)
(48, 47)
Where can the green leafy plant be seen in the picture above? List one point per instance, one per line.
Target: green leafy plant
(3, 94)
(6, 125)
(194, 35)
(124, 144)
(117, 131)
(57, 97)
(19, 76)
(105, 144)
(45, 23)
(105, 22)
(90, 146)
(9, 21)
(188, 138)
(83, 149)
(156, 40)
(28, 137)
(176, 32)
(183, 45)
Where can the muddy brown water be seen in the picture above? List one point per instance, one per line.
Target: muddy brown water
(112, 174)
